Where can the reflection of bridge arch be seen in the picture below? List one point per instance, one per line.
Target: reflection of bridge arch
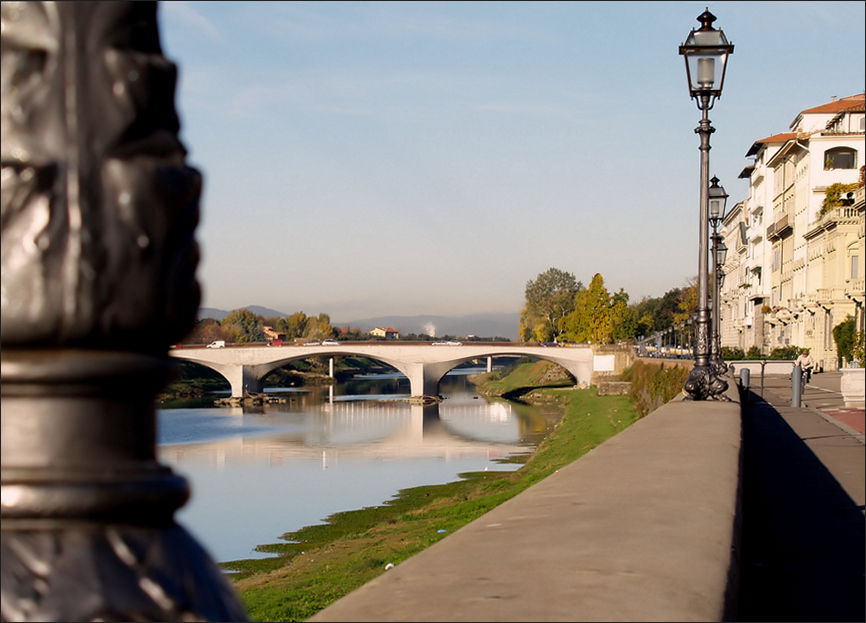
(246, 367)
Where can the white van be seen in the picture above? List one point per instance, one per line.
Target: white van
(217, 344)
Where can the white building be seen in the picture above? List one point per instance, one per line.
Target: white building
(794, 269)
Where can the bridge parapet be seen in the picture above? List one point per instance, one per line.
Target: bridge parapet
(424, 365)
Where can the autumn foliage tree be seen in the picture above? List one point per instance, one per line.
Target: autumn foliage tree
(595, 315)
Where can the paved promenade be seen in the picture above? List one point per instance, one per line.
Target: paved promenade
(640, 529)
(803, 504)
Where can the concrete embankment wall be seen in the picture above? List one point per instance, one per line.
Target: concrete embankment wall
(645, 527)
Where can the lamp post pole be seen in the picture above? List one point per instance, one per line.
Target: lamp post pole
(715, 357)
(717, 198)
(719, 253)
(706, 52)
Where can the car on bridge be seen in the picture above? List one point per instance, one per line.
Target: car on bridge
(448, 343)
(330, 343)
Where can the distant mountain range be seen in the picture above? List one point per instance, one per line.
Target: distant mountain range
(480, 325)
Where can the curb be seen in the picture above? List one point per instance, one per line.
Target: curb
(848, 429)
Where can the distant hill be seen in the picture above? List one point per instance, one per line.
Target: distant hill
(480, 325)
(219, 314)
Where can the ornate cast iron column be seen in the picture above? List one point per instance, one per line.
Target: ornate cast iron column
(99, 212)
(706, 53)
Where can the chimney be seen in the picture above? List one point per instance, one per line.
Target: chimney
(834, 98)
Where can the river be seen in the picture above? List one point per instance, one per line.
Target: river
(257, 473)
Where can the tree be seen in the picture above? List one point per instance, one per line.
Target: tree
(599, 302)
(688, 301)
(324, 326)
(295, 325)
(206, 331)
(592, 319)
(844, 334)
(243, 326)
(549, 299)
(623, 316)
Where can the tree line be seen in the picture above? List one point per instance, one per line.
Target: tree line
(558, 308)
(242, 326)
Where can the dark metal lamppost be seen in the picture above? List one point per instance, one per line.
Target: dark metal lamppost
(706, 53)
(98, 280)
(717, 199)
(720, 251)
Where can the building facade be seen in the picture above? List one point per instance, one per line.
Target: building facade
(795, 266)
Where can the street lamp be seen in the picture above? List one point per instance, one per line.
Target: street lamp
(706, 53)
(717, 200)
(720, 252)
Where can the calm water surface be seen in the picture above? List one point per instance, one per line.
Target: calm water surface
(259, 473)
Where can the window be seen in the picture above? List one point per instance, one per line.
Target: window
(855, 267)
(840, 158)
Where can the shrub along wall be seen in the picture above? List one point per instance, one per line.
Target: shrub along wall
(654, 384)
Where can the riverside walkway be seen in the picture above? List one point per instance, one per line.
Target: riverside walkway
(699, 511)
(803, 505)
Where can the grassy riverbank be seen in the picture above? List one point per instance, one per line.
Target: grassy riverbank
(319, 564)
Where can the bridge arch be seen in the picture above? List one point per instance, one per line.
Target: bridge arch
(249, 378)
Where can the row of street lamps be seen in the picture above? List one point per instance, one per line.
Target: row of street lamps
(706, 53)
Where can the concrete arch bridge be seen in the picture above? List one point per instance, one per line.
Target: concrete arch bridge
(245, 367)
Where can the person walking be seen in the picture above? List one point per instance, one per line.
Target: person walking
(806, 364)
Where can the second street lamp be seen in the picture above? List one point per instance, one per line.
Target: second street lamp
(706, 53)
(719, 250)
(717, 200)
(720, 253)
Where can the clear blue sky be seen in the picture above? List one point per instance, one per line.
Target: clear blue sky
(366, 159)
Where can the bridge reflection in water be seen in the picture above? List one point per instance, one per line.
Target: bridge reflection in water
(264, 474)
(370, 429)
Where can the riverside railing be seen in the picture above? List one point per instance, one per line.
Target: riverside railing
(762, 366)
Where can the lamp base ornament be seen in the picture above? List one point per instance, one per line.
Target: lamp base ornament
(706, 383)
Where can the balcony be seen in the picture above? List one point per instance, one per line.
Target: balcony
(855, 287)
(780, 228)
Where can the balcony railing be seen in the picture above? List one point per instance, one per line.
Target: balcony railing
(840, 215)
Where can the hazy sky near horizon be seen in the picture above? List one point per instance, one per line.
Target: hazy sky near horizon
(366, 159)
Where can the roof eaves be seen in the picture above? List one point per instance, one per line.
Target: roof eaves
(853, 103)
(775, 138)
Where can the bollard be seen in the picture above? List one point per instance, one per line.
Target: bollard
(744, 384)
(796, 386)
